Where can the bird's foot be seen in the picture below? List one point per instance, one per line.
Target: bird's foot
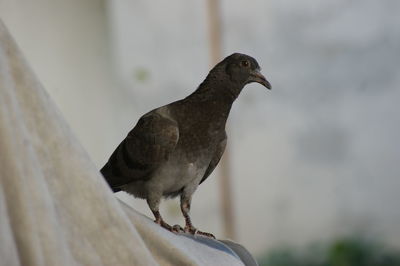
(192, 230)
(174, 229)
(164, 225)
(177, 229)
(209, 235)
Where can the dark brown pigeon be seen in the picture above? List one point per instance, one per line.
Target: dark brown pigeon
(174, 148)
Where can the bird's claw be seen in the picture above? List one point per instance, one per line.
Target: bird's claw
(188, 229)
(194, 231)
(209, 235)
(164, 225)
(177, 229)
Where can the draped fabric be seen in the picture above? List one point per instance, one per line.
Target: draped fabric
(55, 207)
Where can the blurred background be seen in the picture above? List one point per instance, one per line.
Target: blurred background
(314, 162)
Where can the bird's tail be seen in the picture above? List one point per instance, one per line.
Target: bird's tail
(108, 176)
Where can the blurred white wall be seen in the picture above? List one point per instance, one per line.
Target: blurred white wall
(315, 158)
(67, 45)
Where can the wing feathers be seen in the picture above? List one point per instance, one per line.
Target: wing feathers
(147, 145)
(215, 159)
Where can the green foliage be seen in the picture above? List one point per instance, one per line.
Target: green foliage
(342, 252)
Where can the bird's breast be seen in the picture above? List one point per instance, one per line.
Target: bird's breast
(179, 172)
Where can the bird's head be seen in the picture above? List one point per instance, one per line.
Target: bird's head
(243, 69)
(229, 77)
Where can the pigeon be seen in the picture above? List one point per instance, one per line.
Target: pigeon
(174, 148)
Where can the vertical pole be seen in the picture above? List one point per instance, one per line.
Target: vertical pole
(225, 178)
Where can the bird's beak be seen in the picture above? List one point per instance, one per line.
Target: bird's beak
(256, 76)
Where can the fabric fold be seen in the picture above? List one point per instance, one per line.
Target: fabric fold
(55, 207)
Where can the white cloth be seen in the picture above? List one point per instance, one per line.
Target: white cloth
(55, 207)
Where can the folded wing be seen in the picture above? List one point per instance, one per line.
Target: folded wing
(147, 145)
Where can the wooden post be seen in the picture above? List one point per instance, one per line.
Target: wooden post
(225, 185)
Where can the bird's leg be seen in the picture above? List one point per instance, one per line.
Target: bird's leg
(159, 220)
(185, 208)
(153, 204)
(189, 228)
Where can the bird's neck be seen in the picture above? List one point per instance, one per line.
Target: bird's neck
(215, 97)
(213, 88)
(212, 103)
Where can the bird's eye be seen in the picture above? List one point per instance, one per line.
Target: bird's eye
(245, 63)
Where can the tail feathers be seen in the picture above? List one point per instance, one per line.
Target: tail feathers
(115, 189)
(108, 176)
